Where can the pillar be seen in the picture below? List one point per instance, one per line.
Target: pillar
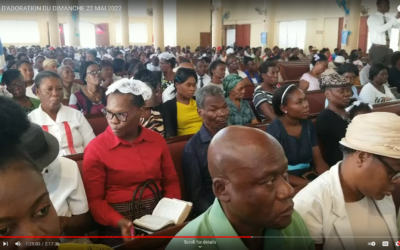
(54, 29)
(73, 25)
(270, 23)
(353, 24)
(125, 23)
(216, 30)
(158, 24)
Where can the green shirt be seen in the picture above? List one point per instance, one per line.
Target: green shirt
(242, 116)
(213, 222)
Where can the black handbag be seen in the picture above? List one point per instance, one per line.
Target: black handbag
(147, 184)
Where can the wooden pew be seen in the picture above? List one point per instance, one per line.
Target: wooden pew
(293, 71)
(98, 123)
(392, 107)
(152, 243)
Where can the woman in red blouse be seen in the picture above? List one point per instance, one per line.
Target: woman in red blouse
(123, 157)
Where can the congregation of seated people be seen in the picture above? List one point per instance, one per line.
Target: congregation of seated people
(256, 151)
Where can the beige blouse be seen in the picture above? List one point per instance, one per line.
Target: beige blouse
(74, 88)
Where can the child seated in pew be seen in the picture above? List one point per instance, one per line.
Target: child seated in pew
(296, 133)
(26, 205)
(358, 108)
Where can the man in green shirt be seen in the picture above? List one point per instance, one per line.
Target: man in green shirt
(253, 197)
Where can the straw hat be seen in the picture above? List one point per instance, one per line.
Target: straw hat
(376, 133)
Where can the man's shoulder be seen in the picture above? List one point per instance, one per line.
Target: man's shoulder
(297, 227)
(197, 227)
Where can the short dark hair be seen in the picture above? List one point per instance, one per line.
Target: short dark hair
(247, 59)
(43, 75)
(136, 67)
(118, 65)
(381, 1)
(346, 151)
(105, 63)
(9, 76)
(310, 47)
(395, 58)
(214, 65)
(206, 59)
(83, 69)
(20, 55)
(264, 67)
(39, 57)
(348, 68)
(20, 62)
(147, 77)
(93, 52)
(277, 97)
(183, 74)
(375, 69)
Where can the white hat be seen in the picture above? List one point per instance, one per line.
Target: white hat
(131, 86)
(165, 56)
(230, 51)
(376, 133)
(340, 59)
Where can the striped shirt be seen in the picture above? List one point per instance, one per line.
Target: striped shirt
(261, 96)
(155, 122)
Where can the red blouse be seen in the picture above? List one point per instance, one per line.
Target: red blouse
(113, 168)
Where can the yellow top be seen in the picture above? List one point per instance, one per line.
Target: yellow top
(189, 122)
(68, 246)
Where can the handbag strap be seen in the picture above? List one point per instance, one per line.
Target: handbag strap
(147, 184)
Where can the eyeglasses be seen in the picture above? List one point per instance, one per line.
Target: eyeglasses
(234, 62)
(120, 116)
(93, 73)
(396, 174)
(17, 84)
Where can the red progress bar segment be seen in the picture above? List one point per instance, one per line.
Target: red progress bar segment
(120, 237)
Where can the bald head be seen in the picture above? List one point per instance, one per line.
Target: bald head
(241, 148)
(249, 172)
(187, 65)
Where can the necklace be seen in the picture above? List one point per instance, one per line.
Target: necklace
(96, 97)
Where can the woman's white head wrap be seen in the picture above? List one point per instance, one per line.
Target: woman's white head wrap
(131, 86)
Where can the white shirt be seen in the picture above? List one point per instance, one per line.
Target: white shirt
(206, 80)
(364, 75)
(321, 205)
(313, 83)
(65, 186)
(377, 28)
(168, 94)
(151, 67)
(240, 73)
(369, 94)
(82, 132)
(4, 91)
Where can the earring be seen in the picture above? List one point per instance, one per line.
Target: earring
(285, 112)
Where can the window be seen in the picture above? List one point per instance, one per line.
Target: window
(292, 34)
(87, 33)
(137, 33)
(19, 31)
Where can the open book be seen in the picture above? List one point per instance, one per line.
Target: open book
(167, 212)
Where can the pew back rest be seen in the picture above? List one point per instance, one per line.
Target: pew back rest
(392, 107)
(316, 101)
(293, 71)
(176, 150)
(98, 123)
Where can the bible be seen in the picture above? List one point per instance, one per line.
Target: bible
(167, 212)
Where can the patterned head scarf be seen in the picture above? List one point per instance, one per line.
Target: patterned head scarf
(230, 83)
(333, 81)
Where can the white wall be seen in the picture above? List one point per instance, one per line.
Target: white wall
(255, 34)
(169, 23)
(331, 31)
